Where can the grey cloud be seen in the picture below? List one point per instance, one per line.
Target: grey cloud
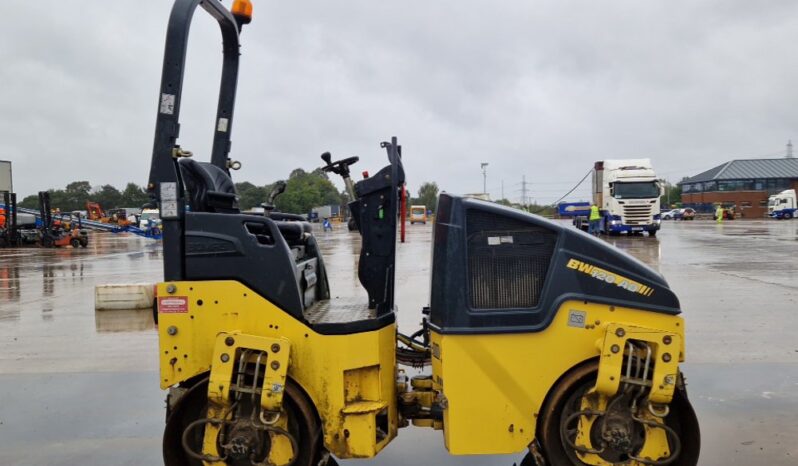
(539, 88)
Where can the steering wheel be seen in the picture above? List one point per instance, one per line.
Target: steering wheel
(340, 167)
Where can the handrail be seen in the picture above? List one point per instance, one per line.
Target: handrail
(164, 168)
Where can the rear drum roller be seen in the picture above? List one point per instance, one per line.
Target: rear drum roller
(302, 426)
(622, 437)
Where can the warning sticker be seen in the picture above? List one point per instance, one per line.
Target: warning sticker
(173, 305)
(168, 104)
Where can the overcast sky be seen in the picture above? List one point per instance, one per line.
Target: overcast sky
(540, 89)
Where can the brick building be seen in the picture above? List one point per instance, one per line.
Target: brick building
(742, 184)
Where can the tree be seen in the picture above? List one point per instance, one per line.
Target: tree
(304, 191)
(108, 197)
(250, 195)
(134, 196)
(29, 202)
(74, 197)
(672, 196)
(428, 195)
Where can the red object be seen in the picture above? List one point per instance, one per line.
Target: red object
(403, 211)
(365, 174)
(172, 304)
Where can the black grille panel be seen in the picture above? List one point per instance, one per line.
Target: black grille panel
(508, 261)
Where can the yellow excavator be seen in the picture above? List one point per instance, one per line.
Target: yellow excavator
(538, 338)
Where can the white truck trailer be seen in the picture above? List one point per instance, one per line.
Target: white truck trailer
(627, 193)
(783, 205)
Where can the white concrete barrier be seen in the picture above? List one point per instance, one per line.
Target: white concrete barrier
(127, 296)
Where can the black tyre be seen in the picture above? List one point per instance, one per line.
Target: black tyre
(303, 426)
(652, 233)
(75, 243)
(787, 215)
(48, 241)
(565, 399)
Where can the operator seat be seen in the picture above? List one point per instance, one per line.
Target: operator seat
(209, 188)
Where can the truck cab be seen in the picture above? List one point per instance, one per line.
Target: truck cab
(628, 194)
(783, 205)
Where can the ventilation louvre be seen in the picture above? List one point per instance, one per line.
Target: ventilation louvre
(508, 260)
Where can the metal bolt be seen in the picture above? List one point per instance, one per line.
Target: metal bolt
(229, 341)
(225, 357)
(615, 348)
(620, 333)
(666, 357)
(598, 322)
(172, 330)
(171, 288)
(275, 348)
(275, 365)
(667, 339)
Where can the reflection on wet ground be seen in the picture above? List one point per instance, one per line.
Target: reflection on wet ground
(80, 387)
(50, 305)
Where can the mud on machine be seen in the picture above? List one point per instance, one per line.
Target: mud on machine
(539, 338)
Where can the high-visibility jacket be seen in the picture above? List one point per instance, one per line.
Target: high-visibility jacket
(594, 213)
(719, 212)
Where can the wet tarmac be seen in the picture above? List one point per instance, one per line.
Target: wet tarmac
(81, 387)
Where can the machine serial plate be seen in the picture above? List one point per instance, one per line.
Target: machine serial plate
(577, 318)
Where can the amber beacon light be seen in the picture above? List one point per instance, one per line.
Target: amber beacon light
(242, 10)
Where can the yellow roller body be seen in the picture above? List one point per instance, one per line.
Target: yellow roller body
(349, 378)
(495, 385)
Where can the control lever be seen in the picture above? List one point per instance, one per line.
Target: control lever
(278, 189)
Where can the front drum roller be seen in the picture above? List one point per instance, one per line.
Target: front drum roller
(559, 420)
(302, 426)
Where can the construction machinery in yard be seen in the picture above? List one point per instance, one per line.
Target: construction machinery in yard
(538, 338)
(8, 220)
(61, 231)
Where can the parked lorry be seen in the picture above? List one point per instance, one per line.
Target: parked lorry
(627, 193)
(783, 205)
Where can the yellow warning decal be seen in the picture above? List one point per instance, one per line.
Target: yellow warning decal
(609, 277)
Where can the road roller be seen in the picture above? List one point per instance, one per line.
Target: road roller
(538, 340)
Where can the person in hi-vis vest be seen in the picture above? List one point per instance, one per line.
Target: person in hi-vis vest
(595, 220)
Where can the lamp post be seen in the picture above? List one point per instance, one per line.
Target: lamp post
(484, 165)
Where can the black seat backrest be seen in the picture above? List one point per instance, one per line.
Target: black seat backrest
(210, 188)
